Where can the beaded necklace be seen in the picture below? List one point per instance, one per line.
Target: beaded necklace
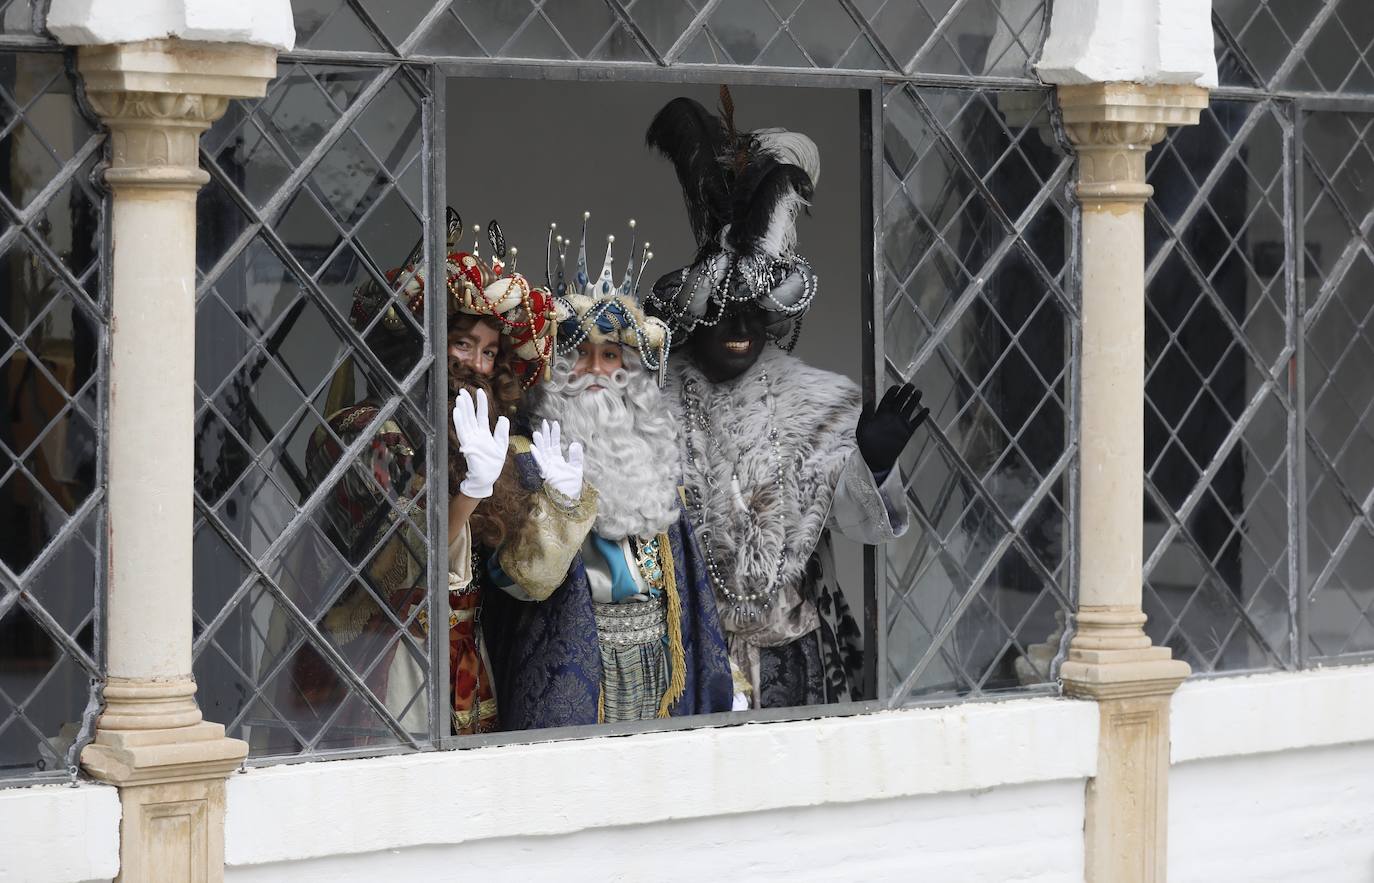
(749, 605)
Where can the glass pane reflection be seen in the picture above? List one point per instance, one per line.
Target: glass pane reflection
(50, 330)
(311, 567)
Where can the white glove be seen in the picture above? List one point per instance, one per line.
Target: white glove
(564, 476)
(484, 450)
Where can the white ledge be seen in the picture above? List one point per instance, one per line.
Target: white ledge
(347, 807)
(1255, 714)
(103, 22)
(52, 833)
(1137, 41)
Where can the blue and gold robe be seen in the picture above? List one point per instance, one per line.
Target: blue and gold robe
(545, 653)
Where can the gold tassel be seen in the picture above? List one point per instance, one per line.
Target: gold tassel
(601, 704)
(677, 656)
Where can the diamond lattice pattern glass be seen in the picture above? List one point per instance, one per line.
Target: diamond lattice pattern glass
(311, 534)
(1218, 570)
(1338, 212)
(52, 323)
(976, 251)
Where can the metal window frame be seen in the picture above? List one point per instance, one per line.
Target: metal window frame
(663, 68)
(870, 86)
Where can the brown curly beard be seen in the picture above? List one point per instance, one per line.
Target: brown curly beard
(497, 516)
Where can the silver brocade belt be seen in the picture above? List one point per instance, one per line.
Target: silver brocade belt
(631, 623)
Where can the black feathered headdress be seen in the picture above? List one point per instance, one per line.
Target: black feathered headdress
(743, 192)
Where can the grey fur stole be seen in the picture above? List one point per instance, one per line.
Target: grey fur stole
(814, 413)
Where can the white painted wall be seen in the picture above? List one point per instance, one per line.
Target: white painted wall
(260, 22)
(1273, 779)
(57, 834)
(1031, 833)
(976, 792)
(1298, 815)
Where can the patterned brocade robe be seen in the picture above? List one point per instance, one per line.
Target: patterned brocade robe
(545, 651)
(768, 508)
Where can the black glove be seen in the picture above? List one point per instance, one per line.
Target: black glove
(884, 432)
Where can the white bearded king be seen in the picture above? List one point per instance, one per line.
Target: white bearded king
(618, 621)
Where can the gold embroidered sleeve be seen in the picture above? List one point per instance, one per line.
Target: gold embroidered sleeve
(538, 556)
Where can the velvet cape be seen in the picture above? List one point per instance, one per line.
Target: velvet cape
(545, 657)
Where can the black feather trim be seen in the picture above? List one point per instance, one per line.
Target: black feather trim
(758, 191)
(694, 140)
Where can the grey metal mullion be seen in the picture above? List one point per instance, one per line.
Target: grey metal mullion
(1062, 175)
(1333, 193)
(779, 33)
(95, 697)
(8, 599)
(866, 29)
(360, 10)
(871, 122)
(422, 28)
(434, 169)
(1295, 285)
(1223, 31)
(1355, 245)
(698, 23)
(536, 11)
(641, 39)
(937, 33)
(1210, 572)
(1304, 40)
(1360, 509)
(288, 187)
(1208, 475)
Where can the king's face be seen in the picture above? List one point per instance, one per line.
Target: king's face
(599, 359)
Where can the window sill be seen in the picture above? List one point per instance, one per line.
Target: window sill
(287, 813)
(1276, 711)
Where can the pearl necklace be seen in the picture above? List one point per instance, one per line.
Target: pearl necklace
(750, 605)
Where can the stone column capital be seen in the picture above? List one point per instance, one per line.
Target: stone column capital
(158, 96)
(1113, 125)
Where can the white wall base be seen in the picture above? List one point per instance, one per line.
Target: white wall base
(1028, 833)
(58, 834)
(1298, 815)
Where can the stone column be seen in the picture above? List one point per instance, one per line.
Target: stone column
(1111, 660)
(157, 97)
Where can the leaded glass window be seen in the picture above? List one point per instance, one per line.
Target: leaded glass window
(52, 353)
(1258, 403)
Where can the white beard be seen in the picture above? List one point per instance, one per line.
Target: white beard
(630, 443)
